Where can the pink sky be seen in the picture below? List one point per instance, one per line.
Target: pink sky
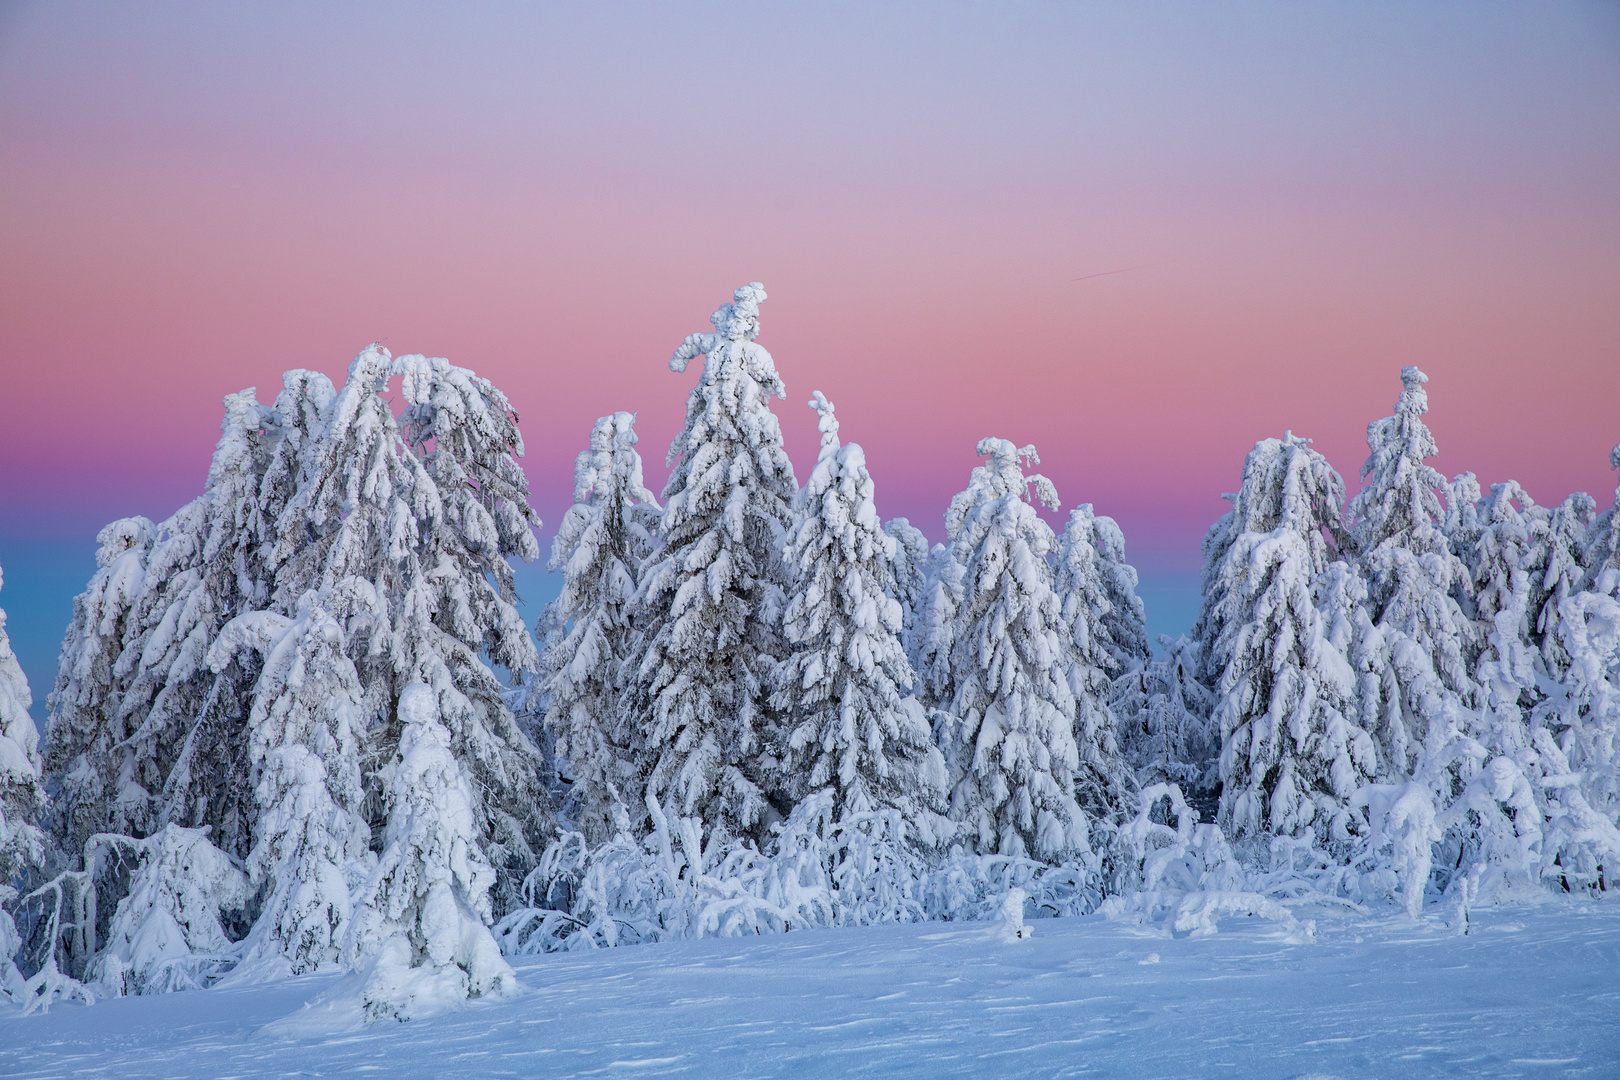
(1287, 204)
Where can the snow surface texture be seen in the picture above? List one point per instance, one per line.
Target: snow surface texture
(1532, 991)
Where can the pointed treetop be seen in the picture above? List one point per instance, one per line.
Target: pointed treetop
(739, 319)
(122, 535)
(827, 425)
(1413, 379)
(372, 367)
(736, 321)
(612, 455)
(1614, 457)
(997, 478)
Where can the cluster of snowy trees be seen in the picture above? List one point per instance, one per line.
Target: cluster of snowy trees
(1417, 691)
(277, 741)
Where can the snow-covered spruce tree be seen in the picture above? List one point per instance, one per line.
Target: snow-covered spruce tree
(208, 782)
(97, 786)
(405, 567)
(466, 434)
(1583, 718)
(310, 839)
(850, 726)
(425, 913)
(22, 796)
(910, 568)
(1291, 757)
(1163, 716)
(138, 710)
(933, 633)
(22, 844)
(1557, 565)
(603, 540)
(1015, 760)
(1097, 590)
(709, 602)
(1507, 527)
(1411, 572)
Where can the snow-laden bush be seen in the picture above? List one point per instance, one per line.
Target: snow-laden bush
(1184, 876)
(681, 881)
(166, 932)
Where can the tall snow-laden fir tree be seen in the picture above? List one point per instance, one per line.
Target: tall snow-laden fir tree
(310, 838)
(1557, 565)
(99, 785)
(1015, 757)
(406, 567)
(425, 913)
(1507, 527)
(22, 796)
(910, 568)
(933, 631)
(1291, 757)
(709, 601)
(1097, 589)
(138, 710)
(850, 725)
(1583, 716)
(1411, 573)
(604, 538)
(208, 780)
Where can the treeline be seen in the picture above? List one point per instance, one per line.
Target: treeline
(277, 742)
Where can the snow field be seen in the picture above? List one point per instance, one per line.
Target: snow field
(1531, 991)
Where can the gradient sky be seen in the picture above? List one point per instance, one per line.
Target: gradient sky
(1138, 236)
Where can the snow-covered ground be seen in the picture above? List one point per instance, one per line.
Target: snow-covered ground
(1531, 991)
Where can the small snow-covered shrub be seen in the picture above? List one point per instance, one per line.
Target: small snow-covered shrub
(166, 932)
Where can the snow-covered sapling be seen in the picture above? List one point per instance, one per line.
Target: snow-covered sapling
(424, 915)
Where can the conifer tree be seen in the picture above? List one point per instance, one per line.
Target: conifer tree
(910, 569)
(310, 838)
(22, 845)
(1508, 527)
(843, 691)
(709, 601)
(405, 567)
(603, 540)
(1557, 565)
(178, 727)
(1412, 574)
(1163, 713)
(1015, 757)
(424, 915)
(1097, 589)
(933, 635)
(1291, 757)
(99, 785)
